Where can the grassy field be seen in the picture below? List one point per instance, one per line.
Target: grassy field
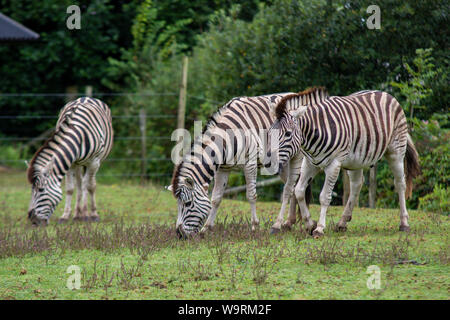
(133, 253)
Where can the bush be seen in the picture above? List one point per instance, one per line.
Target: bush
(10, 156)
(437, 201)
(432, 142)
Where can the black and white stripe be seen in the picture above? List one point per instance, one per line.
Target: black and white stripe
(351, 132)
(83, 137)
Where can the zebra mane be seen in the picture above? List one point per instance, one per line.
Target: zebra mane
(175, 178)
(64, 121)
(306, 97)
(31, 169)
(212, 121)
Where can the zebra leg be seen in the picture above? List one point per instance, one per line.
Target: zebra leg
(79, 214)
(331, 176)
(250, 172)
(396, 164)
(292, 176)
(220, 183)
(308, 172)
(91, 186)
(69, 192)
(356, 182)
(292, 216)
(287, 192)
(294, 170)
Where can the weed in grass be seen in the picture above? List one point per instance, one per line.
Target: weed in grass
(235, 275)
(126, 277)
(444, 255)
(262, 267)
(220, 250)
(202, 272)
(333, 251)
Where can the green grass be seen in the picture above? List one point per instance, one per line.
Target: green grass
(133, 252)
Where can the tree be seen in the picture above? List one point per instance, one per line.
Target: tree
(416, 88)
(61, 57)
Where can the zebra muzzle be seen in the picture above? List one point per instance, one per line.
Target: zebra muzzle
(35, 220)
(180, 233)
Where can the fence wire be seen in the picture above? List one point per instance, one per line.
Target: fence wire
(27, 140)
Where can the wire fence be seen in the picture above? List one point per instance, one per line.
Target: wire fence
(134, 170)
(22, 141)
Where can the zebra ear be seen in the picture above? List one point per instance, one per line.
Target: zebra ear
(170, 188)
(298, 112)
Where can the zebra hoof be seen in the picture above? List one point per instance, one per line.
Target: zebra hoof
(94, 219)
(340, 228)
(81, 219)
(317, 234)
(274, 230)
(310, 229)
(62, 220)
(404, 228)
(286, 227)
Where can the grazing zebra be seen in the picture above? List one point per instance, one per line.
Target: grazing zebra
(351, 132)
(81, 141)
(234, 138)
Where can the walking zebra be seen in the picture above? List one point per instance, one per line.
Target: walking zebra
(234, 138)
(82, 139)
(353, 133)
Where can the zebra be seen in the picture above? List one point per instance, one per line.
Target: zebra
(82, 139)
(236, 131)
(350, 132)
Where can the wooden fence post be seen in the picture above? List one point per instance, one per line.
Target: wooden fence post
(142, 126)
(88, 91)
(182, 99)
(373, 187)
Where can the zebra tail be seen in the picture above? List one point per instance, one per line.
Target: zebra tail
(412, 166)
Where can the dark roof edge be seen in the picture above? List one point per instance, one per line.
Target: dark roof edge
(30, 34)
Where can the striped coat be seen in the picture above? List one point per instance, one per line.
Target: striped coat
(352, 132)
(82, 139)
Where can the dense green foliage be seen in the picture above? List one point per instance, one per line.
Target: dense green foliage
(235, 48)
(60, 58)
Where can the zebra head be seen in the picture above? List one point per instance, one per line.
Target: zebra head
(46, 193)
(284, 138)
(194, 206)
